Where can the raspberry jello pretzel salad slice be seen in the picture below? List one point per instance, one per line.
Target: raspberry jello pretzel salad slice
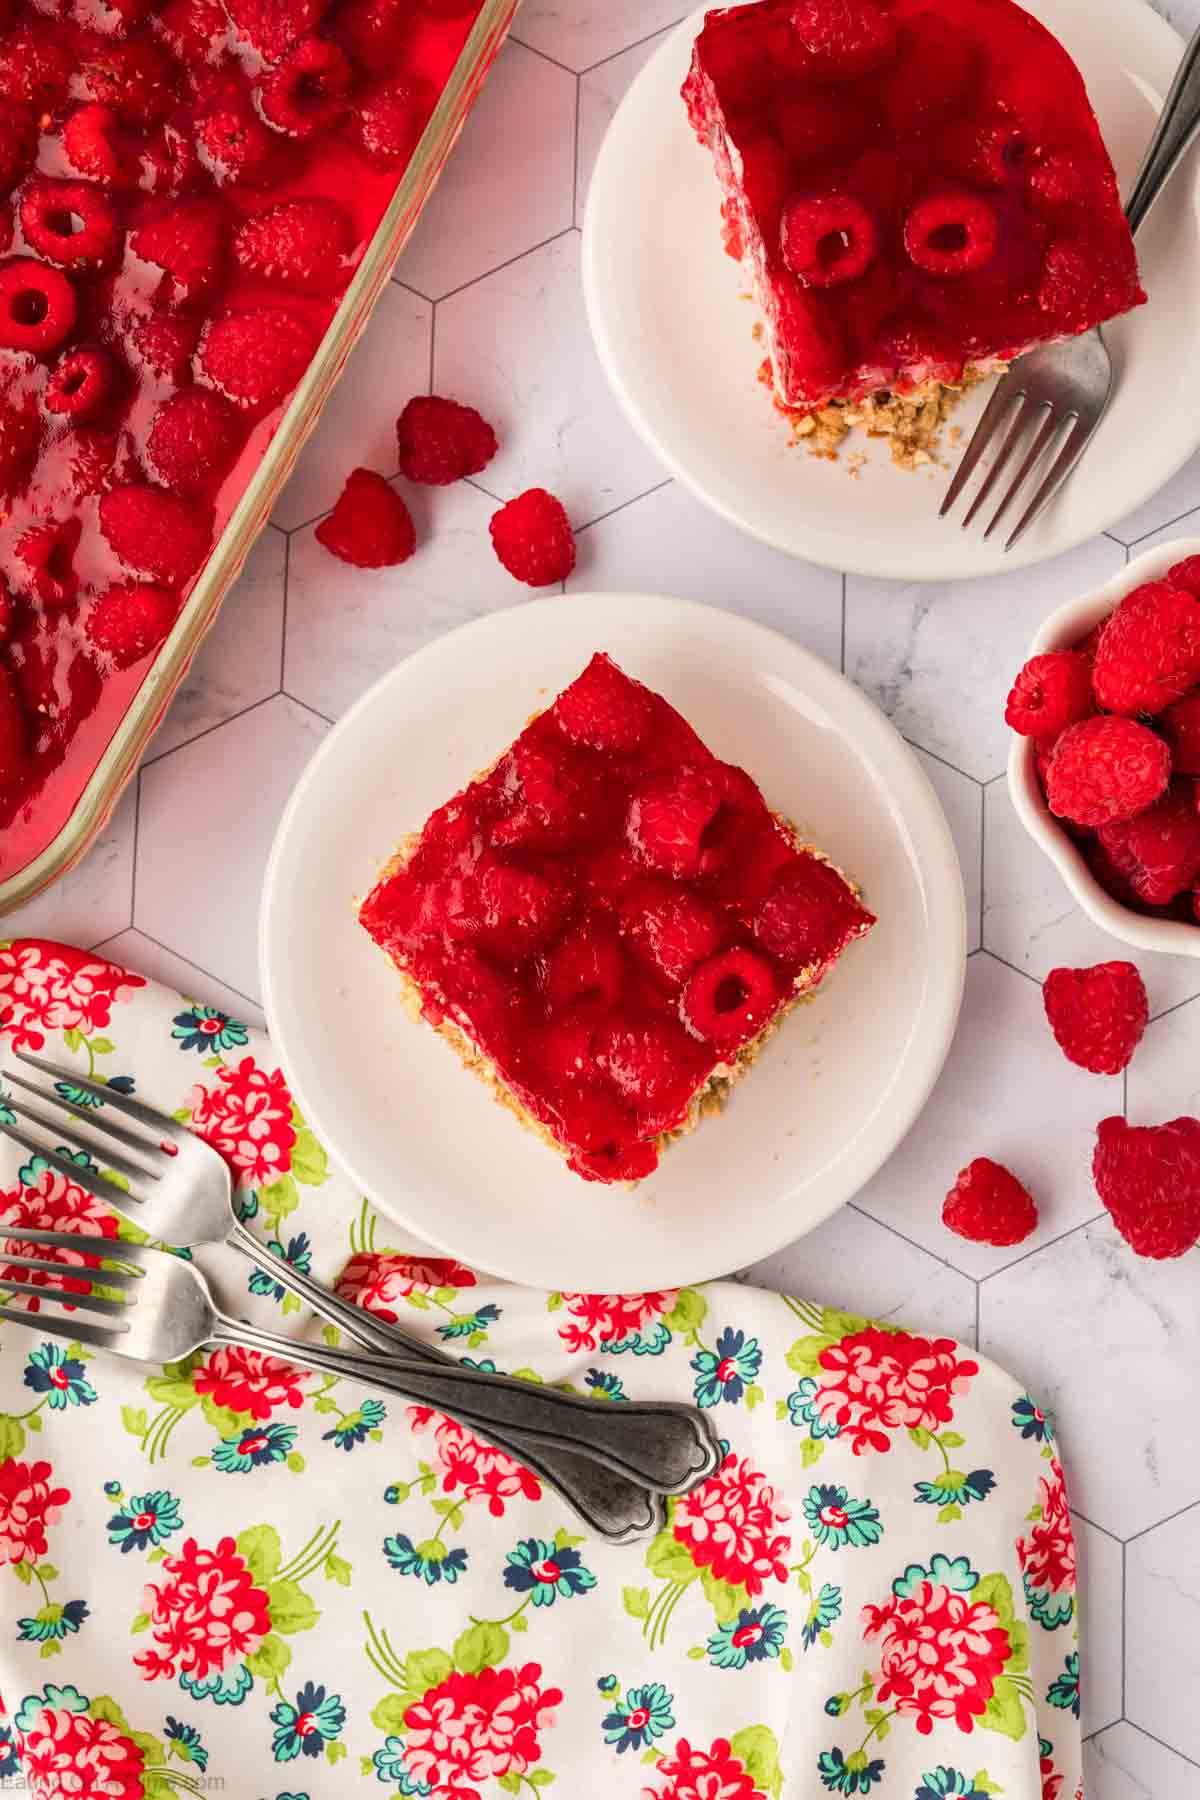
(609, 923)
(918, 192)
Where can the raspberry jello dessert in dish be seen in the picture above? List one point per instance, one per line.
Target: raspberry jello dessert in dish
(609, 923)
(918, 192)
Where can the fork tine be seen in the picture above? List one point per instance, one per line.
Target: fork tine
(1002, 398)
(123, 1164)
(90, 1243)
(91, 1183)
(1050, 426)
(103, 1277)
(80, 1331)
(1057, 473)
(96, 1121)
(1016, 432)
(89, 1302)
(133, 1109)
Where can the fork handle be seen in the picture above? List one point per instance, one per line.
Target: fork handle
(1178, 123)
(666, 1447)
(615, 1507)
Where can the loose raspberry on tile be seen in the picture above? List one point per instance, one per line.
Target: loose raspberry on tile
(234, 145)
(308, 92)
(1180, 725)
(186, 239)
(1097, 1015)
(193, 441)
(988, 1205)
(586, 964)
(810, 915)
(38, 306)
(99, 145)
(1186, 575)
(300, 244)
(256, 358)
(604, 709)
(388, 123)
(370, 525)
(669, 928)
(154, 533)
(1052, 691)
(1106, 768)
(128, 621)
(1150, 652)
(1148, 1177)
(14, 731)
(271, 26)
(532, 536)
(36, 66)
(828, 239)
(80, 383)
(163, 342)
(44, 562)
(18, 143)
(729, 998)
(440, 440)
(655, 1069)
(1158, 852)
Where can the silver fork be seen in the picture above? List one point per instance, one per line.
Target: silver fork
(1061, 392)
(182, 1194)
(159, 1309)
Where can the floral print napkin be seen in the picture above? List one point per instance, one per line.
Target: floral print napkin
(234, 1576)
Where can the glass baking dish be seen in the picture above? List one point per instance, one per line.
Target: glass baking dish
(117, 759)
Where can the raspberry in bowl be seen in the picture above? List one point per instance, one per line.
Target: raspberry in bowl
(1104, 769)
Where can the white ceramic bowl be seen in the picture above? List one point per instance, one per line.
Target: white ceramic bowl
(1061, 631)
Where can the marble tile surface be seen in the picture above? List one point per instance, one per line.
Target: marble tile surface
(486, 306)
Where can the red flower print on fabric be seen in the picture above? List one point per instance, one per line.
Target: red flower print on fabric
(68, 1755)
(248, 1118)
(1047, 1554)
(28, 1503)
(379, 1282)
(207, 1614)
(47, 987)
(941, 1649)
(472, 1467)
(598, 1319)
(250, 1381)
(713, 1774)
(52, 1203)
(877, 1382)
(472, 1728)
(731, 1525)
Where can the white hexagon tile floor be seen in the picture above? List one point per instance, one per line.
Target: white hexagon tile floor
(486, 305)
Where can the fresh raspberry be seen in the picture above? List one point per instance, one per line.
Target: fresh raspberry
(196, 30)
(1051, 692)
(1114, 883)
(1106, 768)
(256, 358)
(1158, 852)
(951, 232)
(667, 820)
(370, 526)
(309, 90)
(1088, 646)
(441, 441)
(301, 244)
(1180, 725)
(810, 915)
(234, 145)
(827, 239)
(841, 40)
(375, 32)
(169, 167)
(80, 383)
(532, 536)
(390, 120)
(605, 1150)
(670, 928)
(44, 563)
(19, 434)
(1185, 575)
(655, 1068)
(18, 143)
(128, 621)
(194, 438)
(586, 964)
(38, 307)
(1150, 652)
(988, 1205)
(1148, 1177)
(522, 906)
(1097, 1015)
(97, 145)
(136, 78)
(603, 708)
(155, 534)
(163, 343)
(270, 26)
(14, 732)
(71, 223)
(36, 65)
(186, 239)
(729, 998)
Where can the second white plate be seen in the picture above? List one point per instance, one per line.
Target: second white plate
(673, 330)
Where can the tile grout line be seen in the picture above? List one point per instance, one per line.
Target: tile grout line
(982, 862)
(207, 973)
(575, 158)
(508, 262)
(1131, 546)
(636, 45)
(1161, 1742)
(1124, 1621)
(152, 762)
(842, 664)
(542, 55)
(137, 827)
(432, 344)
(287, 569)
(1159, 1523)
(304, 705)
(1005, 964)
(945, 1263)
(1037, 1249)
(614, 510)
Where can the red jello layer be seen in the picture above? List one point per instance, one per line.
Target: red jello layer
(914, 185)
(611, 915)
(143, 151)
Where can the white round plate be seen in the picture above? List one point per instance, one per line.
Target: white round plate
(834, 1092)
(673, 332)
